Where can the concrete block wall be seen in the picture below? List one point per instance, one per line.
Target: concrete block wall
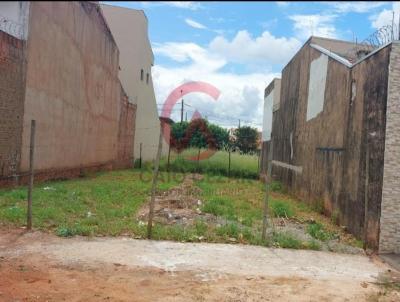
(389, 241)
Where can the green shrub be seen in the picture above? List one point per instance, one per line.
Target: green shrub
(335, 217)
(317, 231)
(201, 228)
(318, 206)
(313, 245)
(286, 240)
(276, 186)
(65, 231)
(228, 230)
(220, 206)
(281, 209)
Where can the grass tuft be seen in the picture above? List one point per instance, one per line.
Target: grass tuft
(317, 231)
(281, 209)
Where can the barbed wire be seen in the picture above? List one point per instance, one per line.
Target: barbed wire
(378, 38)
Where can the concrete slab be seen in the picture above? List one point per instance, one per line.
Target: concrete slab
(392, 259)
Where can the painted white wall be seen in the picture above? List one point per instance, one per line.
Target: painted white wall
(267, 117)
(130, 30)
(277, 94)
(14, 18)
(316, 86)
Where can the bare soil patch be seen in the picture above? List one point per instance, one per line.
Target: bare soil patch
(179, 205)
(41, 267)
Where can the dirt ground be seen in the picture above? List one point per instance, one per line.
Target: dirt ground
(178, 205)
(41, 267)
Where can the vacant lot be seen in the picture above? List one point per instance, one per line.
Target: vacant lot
(189, 207)
(39, 266)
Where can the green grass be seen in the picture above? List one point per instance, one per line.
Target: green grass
(242, 166)
(287, 240)
(277, 186)
(233, 199)
(281, 209)
(317, 231)
(107, 203)
(104, 204)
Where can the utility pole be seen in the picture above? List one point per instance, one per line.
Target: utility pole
(239, 123)
(182, 109)
(186, 116)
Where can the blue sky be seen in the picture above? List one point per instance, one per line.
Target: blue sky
(239, 47)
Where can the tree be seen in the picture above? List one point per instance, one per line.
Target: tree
(246, 139)
(199, 133)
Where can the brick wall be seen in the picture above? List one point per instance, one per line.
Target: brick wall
(11, 103)
(126, 132)
(390, 208)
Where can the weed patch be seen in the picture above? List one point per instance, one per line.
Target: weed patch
(281, 209)
(317, 231)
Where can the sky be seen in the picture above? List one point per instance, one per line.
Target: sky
(239, 47)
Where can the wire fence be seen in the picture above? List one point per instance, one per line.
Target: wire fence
(377, 39)
(224, 162)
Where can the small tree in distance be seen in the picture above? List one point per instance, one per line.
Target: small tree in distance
(246, 139)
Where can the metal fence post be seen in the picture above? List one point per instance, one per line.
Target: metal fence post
(31, 169)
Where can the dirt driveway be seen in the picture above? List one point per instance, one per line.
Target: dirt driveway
(41, 267)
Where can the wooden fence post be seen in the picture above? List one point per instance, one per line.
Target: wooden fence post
(154, 185)
(31, 169)
(229, 162)
(169, 154)
(198, 161)
(140, 156)
(366, 184)
(267, 185)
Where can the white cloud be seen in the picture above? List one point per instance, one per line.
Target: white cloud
(316, 25)
(385, 17)
(178, 4)
(283, 4)
(356, 7)
(245, 49)
(184, 4)
(241, 94)
(195, 24)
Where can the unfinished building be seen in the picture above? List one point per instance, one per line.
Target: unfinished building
(336, 135)
(130, 30)
(59, 66)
